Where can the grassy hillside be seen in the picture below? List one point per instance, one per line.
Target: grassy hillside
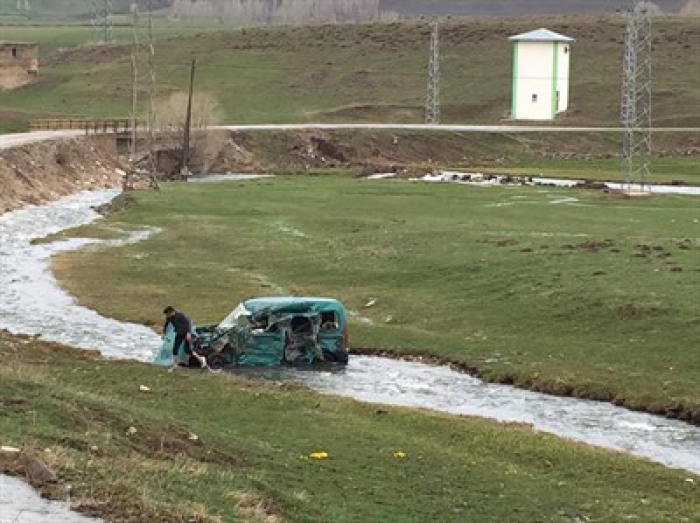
(569, 291)
(361, 73)
(220, 449)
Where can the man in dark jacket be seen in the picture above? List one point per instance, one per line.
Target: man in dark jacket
(183, 334)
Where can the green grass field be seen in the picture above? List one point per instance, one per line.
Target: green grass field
(356, 73)
(131, 456)
(567, 291)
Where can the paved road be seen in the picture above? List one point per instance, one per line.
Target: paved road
(13, 140)
(438, 128)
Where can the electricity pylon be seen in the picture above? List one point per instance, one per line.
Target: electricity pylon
(636, 96)
(432, 101)
(152, 95)
(101, 20)
(141, 82)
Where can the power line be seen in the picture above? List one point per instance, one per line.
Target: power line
(432, 101)
(636, 96)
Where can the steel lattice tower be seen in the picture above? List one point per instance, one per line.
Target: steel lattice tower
(636, 97)
(143, 80)
(101, 20)
(24, 7)
(432, 101)
(151, 121)
(135, 77)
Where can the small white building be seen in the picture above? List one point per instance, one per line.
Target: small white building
(541, 61)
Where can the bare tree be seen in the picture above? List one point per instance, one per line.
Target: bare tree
(170, 123)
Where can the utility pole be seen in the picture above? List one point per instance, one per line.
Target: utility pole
(188, 124)
(152, 95)
(636, 97)
(127, 183)
(135, 78)
(432, 102)
(101, 21)
(142, 165)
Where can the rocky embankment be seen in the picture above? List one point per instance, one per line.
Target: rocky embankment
(402, 152)
(45, 171)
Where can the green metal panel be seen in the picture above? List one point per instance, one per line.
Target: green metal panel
(514, 103)
(165, 354)
(555, 80)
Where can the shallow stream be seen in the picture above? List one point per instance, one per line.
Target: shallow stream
(19, 503)
(32, 303)
(478, 179)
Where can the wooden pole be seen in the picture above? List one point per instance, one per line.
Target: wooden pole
(188, 123)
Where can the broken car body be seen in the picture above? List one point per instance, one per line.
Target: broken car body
(274, 331)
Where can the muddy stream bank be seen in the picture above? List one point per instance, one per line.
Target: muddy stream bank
(33, 303)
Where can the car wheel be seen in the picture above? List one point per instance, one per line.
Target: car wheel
(216, 361)
(336, 357)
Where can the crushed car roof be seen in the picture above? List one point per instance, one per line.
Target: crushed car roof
(292, 303)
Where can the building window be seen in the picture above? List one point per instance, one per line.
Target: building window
(534, 98)
(14, 52)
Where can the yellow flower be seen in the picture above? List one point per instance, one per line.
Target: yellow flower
(319, 455)
(400, 454)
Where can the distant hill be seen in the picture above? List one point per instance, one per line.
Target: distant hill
(518, 7)
(330, 10)
(65, 9)
(300, 12)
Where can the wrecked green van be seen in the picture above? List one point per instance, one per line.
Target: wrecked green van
(276, 331)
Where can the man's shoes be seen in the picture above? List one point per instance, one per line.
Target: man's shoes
(172, 368)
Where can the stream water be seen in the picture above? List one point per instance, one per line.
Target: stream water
(19, 503)
(478, 179)
(32, 303)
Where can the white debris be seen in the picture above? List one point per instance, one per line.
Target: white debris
(10, 450)
(381, 176)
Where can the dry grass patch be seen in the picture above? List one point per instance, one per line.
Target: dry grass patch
(257, 509)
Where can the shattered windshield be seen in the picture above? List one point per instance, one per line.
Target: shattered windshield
(239, 315)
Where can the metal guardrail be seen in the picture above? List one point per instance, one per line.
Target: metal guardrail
(89, 125)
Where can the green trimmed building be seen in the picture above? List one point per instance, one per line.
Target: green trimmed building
(541, 61)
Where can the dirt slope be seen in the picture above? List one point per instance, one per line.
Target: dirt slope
(46, 171)
(379, 151)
